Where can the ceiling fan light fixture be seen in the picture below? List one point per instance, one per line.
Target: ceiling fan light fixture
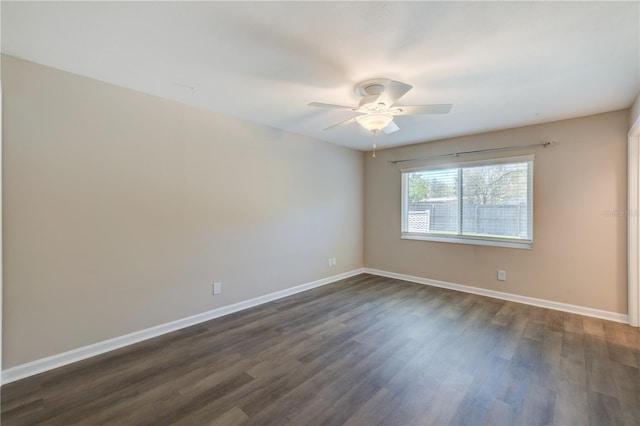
(375, 121)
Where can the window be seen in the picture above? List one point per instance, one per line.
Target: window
(483, 202)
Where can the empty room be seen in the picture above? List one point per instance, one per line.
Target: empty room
(320, 213)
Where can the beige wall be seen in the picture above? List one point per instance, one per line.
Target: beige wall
(121, 209)
(579, 254)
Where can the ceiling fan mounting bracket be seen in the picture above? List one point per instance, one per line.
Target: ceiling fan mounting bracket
(373, 87)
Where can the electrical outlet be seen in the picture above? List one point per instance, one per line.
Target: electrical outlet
(217, 287)
(330, 262)
(333, 261)
(502, 275)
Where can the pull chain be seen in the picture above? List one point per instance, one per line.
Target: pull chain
(374, 144)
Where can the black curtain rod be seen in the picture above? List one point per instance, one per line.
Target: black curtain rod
(478, 151)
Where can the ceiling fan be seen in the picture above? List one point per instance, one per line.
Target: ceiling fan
(376, 106)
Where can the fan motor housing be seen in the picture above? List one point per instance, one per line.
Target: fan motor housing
(369, 103)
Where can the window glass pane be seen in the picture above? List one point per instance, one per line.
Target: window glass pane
(432, 201)
(495, 201)
(487, 202)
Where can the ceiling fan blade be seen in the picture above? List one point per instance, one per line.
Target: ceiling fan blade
(394, 91)
(391, 127)
(332, 106)
(422, 109)
(343, 123)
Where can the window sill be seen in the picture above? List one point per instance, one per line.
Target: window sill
(480, 241)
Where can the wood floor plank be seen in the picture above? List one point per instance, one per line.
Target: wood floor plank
(361, 351)
(603, 409)
(571, 403)
(500, 413)
(627, 380)
(373, 410)
(482, 393)
(441, 409)
(539, 406)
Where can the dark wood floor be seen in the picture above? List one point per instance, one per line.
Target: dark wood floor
(363, 351)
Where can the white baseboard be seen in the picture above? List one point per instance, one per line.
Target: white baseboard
(558, 306)
(54, 361)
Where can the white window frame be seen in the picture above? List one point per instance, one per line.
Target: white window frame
(519, 243)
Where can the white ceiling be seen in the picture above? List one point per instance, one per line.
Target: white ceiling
(501, 65)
